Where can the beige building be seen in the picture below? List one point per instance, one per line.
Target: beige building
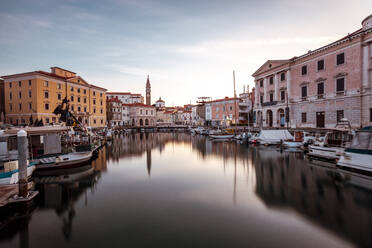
(34, 95)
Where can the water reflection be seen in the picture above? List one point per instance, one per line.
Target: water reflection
(245, 186)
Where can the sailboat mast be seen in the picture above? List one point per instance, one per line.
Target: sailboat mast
(235, 98)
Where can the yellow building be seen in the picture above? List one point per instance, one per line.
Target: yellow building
(36, 94)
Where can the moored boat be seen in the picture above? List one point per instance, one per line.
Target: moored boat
(359, 154)
(63, 161)
(334, 143)
(222, 136)
(11, 176)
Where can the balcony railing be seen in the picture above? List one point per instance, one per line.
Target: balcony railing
(269, 103)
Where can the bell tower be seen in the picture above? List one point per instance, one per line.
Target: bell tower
(148, 91)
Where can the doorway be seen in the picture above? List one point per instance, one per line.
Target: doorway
(320, 119)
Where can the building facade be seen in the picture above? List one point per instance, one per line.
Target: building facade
(317, 89)
(224, 111)
(32, 96)
(114, 112)
(142, 115)
(126, 97)
(160, 103)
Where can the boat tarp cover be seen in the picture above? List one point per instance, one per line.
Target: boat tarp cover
(275, 135)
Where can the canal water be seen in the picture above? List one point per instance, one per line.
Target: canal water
(178, 190)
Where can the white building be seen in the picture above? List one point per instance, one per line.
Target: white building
(126, 97)
(126, 114)
(160, 103)
(208, 113)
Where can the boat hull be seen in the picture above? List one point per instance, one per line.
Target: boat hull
(325, 153)
(356, 161)
(228, 136)
(79, 159)
(290, 144)
(13, 177)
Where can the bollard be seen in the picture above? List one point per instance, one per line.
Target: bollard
(22, 143)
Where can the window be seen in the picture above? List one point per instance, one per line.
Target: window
(320, 90)
(46, 94)
(20, 84)
(271, 97)
(100, 94)
(10, 106)
(282, 95)
(78, 90)
(29, 93)
(79, 108)
(321, 65)
(140, 111)
(340, 59)
(231, 108)
(370, 114)
(304, 70)
(304, 92)
(46, 83)
(20, 95)
(94, 121)
(101, 121)
(303, 117)
(72, 89)
(261, 99)
(94, 110)
(59, 96)
(94, 101)
(20, 106)
(85, 109)
(146, 112)
(85, 91)
(29, 83)
(46, 120)
(10, 84)
(59, 86)
(101, 102)
(72, 98)
(30, 106)
(271, 80)
(72, 108)
(10, 95)
(282, 76)
(261, 83)
(46, 105)
(340, 85)
(340, 115)
(101, 110)
(94, 93)
(78, 98)
(85, 100)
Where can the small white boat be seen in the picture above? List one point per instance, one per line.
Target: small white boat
(359, 154)
(11, 177)
(334, 143)
(69, 160)
(222, 136)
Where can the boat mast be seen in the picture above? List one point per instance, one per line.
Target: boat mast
(235, 98)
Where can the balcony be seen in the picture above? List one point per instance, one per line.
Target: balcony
(272, 103)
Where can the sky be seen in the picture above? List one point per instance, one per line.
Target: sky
(189, 48)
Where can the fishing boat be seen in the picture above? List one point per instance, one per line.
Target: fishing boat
(64, 161)
(359, 154)
(10, 173)
(334, 143)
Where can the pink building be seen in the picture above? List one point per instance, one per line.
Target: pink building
(319, 87)
(224, 111)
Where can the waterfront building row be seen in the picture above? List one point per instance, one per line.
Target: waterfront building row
(318, 88)
(33, 96)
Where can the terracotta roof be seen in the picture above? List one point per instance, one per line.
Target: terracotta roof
(223, 99)
(113, 100)
(118, 93)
